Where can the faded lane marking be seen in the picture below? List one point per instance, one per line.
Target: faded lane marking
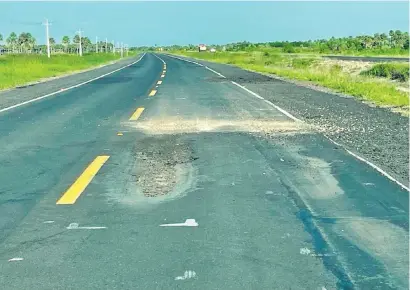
(69, 88)
(187, 275)
(119, 134)
(162, 75)
(15, 259)
(159, 82)
(75, 226)
(187, 223)
(77, 188)
(152, 93)
(137, 114)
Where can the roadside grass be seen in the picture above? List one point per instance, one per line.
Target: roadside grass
(16, 70)
(394, 71)
(312, 70)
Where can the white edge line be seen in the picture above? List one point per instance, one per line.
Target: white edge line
(334, 142)
(184, 59)
(374, 166)
(221, 75)
(298, 120)
(160, 59)
(69, 88)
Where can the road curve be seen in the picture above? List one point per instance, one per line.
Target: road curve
(166, 175)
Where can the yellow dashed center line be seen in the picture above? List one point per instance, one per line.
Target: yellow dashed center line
(137, 114)
(77, 188)
(152, 93)
(159, 82)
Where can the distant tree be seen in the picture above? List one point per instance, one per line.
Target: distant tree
(65, 41)
(12, 40)
(1, 37)
(26, 41)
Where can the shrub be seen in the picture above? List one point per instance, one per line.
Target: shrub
(394, 71)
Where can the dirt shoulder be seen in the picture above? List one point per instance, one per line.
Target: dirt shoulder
(34, 90)
(378, 134)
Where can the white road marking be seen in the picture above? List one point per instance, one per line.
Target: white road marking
(187, 223)
(370, 164)
(184, 59)
(69, 88)
(75, 226)
(187, 275)
(249, 91)
(305, 251)
(16, 259)
(381, 171)
(48, 222)
(221, 75)
(160, 59)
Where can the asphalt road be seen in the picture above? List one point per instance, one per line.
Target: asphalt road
(368, 58)
(250, 198)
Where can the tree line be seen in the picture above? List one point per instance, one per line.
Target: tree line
(394, 40)
(397, 40)
(25, 42)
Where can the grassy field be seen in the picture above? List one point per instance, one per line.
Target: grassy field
(311, 69)
(17, 70)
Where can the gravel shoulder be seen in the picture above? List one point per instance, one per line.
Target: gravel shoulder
(375, 133)
(30, 91)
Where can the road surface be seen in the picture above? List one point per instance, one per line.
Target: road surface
(166, 175)
(368, 58)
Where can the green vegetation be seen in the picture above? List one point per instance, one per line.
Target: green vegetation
(394, 71)
(17, 70)
(312, 70)
(393, 43)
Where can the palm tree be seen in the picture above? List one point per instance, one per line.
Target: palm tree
(26, 41)
(65, 41)
(12, 40)
(52, 42)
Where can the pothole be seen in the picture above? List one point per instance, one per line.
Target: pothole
(162, 165)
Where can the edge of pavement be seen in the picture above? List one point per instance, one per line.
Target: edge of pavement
(350, 152)
(31, 92)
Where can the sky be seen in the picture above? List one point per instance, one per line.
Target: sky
(167, 23)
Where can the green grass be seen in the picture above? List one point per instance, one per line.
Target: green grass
(394, 71)
(18, 70)
(310, 69)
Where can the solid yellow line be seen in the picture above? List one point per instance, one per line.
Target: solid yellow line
(159, 82)
(137, 114)
(152, 93)
(75, 190)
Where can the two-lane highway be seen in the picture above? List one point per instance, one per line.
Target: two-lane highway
(166, 175)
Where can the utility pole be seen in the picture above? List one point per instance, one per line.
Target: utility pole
(80, 51)
(127, 49)
(96, 44)
(106, 45)
(47, 24)
(122, 50)
(113, 47)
